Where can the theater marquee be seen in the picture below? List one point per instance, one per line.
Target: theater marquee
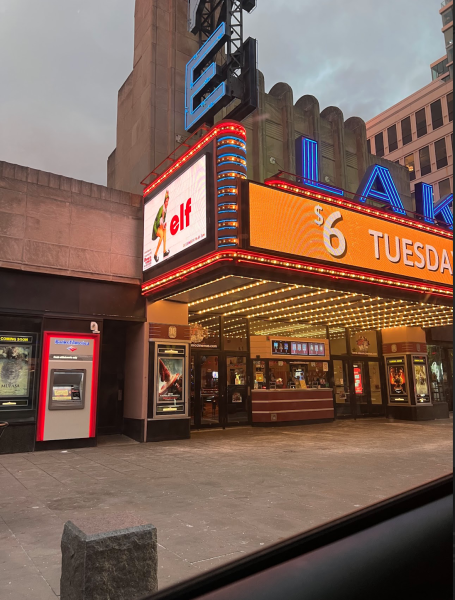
(288, 224)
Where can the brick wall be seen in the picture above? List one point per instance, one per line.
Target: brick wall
(54, 224)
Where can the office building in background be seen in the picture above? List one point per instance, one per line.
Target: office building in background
(417, 132)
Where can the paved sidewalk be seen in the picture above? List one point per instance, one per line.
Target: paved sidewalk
(212, 498)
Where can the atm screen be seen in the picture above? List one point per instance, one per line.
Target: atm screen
(66, 389)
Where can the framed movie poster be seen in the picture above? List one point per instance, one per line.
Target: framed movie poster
(16, 365)
(422, 391)
(170, 380)
(397, 379)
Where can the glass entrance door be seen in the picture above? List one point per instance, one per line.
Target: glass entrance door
(237, 390)
(219, 390)
(374, 372)
(342, 388)
(367, 394)
(209, 402)
(360, 388)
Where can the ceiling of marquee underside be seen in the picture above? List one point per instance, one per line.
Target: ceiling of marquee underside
(275, 308)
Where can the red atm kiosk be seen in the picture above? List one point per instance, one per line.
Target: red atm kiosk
(69, 385)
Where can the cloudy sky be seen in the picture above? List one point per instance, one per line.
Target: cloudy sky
(63, 61)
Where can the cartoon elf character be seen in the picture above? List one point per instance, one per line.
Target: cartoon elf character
(159, 228)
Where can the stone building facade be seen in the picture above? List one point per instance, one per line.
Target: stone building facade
(62, 226)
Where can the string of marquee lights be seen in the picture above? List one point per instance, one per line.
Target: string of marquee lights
(258, 297)
(228, 293)
(290, 265)
(293, 306)
(288, 186)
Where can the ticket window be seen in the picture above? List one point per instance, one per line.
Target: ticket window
(299, 376)
(279, 374)
(317, 375)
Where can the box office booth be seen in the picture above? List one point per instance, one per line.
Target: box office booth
(275, 264)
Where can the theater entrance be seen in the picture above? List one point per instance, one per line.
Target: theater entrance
(219, 390)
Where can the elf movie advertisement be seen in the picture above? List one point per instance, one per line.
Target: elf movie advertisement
(176, 218)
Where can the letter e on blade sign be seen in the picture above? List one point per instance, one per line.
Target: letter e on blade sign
(202, 79)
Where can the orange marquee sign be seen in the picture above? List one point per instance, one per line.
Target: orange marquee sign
(289, 224)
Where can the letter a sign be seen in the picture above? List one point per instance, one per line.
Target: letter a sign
(378, 184)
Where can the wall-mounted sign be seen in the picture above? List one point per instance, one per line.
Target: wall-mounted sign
(282, 222)
(176, 218)
(209, 86)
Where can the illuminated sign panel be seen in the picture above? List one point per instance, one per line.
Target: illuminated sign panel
(284, 223)
(176, 218)
(209, 85)
(199, 103)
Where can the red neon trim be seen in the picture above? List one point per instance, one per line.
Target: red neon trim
(94, 394)
(45, 375)
(43, 388)
(293, 188)
(151, 286)
(223, 127)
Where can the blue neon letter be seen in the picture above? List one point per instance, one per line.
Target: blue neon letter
(377, 174)
(424, 201)
(307, 159)
(197, 85)
(443, 208)
(426, 207)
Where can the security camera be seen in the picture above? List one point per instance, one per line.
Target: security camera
(94, 327)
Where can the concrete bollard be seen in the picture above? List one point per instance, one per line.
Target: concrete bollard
(119, 564)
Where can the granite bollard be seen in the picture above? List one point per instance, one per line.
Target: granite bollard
(111, 558)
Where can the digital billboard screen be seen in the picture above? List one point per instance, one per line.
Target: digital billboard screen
(176, 218)
(288, 224)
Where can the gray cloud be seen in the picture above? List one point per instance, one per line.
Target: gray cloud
(63, 61)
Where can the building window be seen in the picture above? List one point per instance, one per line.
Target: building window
(410, 165)
(421, 123)
(444, 188)
(436, 114)
(447, 16)
(439, 69)
(441, 153)
(406, 132)
(379, 144)
(448, 37)
(392, 138)
(369, 146)
(425, 162)
(450, 54)
(450, 105)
